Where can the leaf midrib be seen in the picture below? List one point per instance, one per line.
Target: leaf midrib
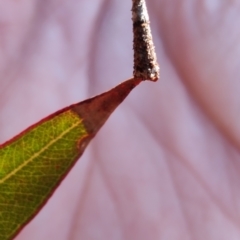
(35, 155)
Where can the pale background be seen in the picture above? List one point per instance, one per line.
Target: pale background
(166, 166)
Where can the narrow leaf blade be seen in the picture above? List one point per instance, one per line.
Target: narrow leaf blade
(34, 163)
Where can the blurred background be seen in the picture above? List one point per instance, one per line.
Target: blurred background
(166, 164)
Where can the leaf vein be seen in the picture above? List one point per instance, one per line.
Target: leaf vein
(38, 153)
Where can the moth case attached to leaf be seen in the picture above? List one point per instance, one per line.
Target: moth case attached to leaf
(145, 59)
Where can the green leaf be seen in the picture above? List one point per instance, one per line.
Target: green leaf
(34, 163)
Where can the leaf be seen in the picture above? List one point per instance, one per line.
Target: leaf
(34, 163)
